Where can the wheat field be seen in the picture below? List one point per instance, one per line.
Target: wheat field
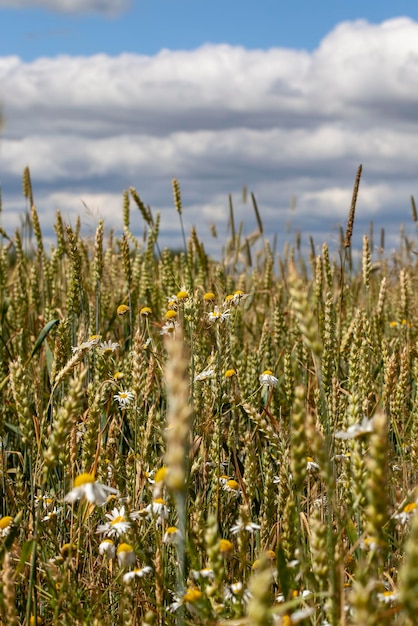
(195, 441)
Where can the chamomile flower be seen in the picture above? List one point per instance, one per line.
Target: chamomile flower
(138, 572)
(250, 527)
(206, 572)
(407, 512)
(122, 309)
(232, 487)
(145, 311)
(237, 593)
(268, 379)
(92, 341)
(388, 597)
(5, 525)
(217, 316)
(183, 294)
(193, 595)
(364, 427)
(235, 298)
(311, 466)
(209, 296)
(171, 314)
(169, 327)
(52, 515)
(117, 525)
(371, 543)
(226, 547)
(107, 549)
(85, 486)
(157, 510)
(205, 374)
(107, 348)
(126, 555)
(171, 535)
(124, 398)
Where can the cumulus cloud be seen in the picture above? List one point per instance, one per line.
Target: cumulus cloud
(286, 123)
(104, 7)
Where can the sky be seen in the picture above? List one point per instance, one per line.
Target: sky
(285, 98)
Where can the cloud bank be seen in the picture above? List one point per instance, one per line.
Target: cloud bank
(103, 7)
(286, 123)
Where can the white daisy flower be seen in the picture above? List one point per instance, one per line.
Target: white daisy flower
(118, 524)
(238, 296)
(250, 527)
(237, 593)
(124, 398)
(5, 525)
(92, 341)
(268, 379)
(218, 316)
(169, 327)
(158, 510)
(85, 486)
(206, 572)
(207, 373)
(171, 535)
(52, 515)
(107, 549)
(108, 347)
(311, 466)
(138, 572)
(356, 430)
(126, 555)
(232, 487)
(407, 512)
(388, 597)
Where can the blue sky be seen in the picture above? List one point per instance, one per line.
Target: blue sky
(147, 26)
(285, 98)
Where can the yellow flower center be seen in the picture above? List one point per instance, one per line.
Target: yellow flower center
(5, 522)
(170, 314)
(122, 309)
(225, 546)
(117, 520)
(124, 547)
(232, 484)
(209, 296)
(267, 373)
(67, 549)
(171, 530)
(192, 595)
(145, 311)
(159, 501)
(230, 373)
(160, 474)
(83, 479)
(182, 295)
(410, 507)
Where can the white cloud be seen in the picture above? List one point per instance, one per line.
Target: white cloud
(284, 122)
(105, 7)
